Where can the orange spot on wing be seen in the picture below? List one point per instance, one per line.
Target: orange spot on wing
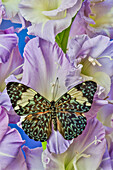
(77, 113)
(29, 116)
(39, 113)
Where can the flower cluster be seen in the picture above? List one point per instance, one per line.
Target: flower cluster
(69, 41)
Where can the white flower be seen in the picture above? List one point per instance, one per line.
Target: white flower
(49, 17)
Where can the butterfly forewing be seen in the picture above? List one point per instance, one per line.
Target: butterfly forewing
(78, 99)
(26, 100)
(38, 126)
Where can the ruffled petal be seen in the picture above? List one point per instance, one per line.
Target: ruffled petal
(11, 8)
(10, 66)
(94, 18)
(18, 162)
(73, 78)
(9, 147)
(3, 122)
(81, 153)
(48, 18)
(106, 161)
(33, 158)
(7, 43)
(106, 112)
(47, 62)
(57, 144)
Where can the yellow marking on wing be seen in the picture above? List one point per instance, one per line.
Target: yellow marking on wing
(82, 101)
(28, 95)
(17, 107)
(20, 85)
(22, 102)
(88, 104)
(74, 93)
(31, 90)
(73, 90)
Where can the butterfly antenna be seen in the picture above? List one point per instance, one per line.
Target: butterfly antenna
(55, 89)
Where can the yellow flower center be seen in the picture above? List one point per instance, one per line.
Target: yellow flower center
(106, 17)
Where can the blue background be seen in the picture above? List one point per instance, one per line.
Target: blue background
(6, 24)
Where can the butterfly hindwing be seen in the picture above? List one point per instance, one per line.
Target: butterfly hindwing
(70, 125)
(26, 100)
(78, 99)
(38, 126)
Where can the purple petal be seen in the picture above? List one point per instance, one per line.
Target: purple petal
(47, 62)
(73, 78)
(80, 21)
(111, 153)
(33, 158)
(93, 18)
(57, 144)
(105, 113)
(3, 122)
(102, 15)
(2, 12)
(93, 129)
(75, 47)
(106, 162)
(10, 140)
(83, 45)
(9, 30)
(13, 117)
(13, 61)
(5, 101)
(7, 43)
(95, 107)
(18, 163)
(9, 147)
(93, 54)
(105, 58)
(85, 150)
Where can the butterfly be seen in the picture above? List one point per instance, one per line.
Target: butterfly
(65, 114)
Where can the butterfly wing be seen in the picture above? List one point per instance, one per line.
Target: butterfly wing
(70, 108)
(38, 126)
(26, 100)
(70, 125)
(78, 99)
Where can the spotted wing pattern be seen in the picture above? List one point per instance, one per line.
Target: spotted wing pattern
(38, 126)
(78, 99)
(69, 110)
(71, 106)
(26, 100)
(70, 125)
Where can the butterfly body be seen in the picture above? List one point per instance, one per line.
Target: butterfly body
(64, 115)
(53, 112)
